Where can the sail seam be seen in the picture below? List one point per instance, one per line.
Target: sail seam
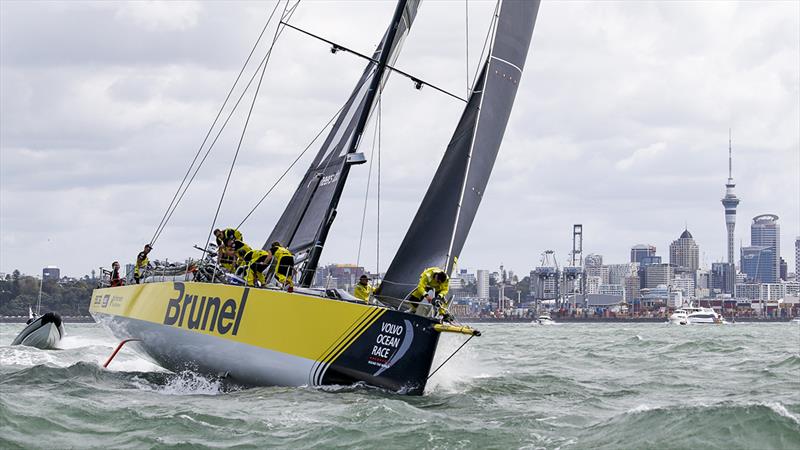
(471, 148)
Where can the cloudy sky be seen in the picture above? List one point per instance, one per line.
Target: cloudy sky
(621, 124)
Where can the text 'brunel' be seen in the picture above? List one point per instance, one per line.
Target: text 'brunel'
(205, 312)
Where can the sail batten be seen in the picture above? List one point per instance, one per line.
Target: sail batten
(439, 230)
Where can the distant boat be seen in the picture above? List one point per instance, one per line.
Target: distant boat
(795, 320)
(545, 319)
(44, 332)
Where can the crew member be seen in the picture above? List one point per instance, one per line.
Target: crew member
(363, 290)
(227, 258)
(141, 263)
(283, 263)
(115, 279)
(259, 262)
(226, 235)
(431, 279)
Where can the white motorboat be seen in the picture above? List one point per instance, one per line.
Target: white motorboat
(545, 319)
(703, 315)
(679, 317)
(43, 332)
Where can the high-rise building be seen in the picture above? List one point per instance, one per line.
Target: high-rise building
(784, 270)
(723, 277)
(797, 258)
(684, 253)
(729, 202)
(51, 273)
(658, 274)
(640, 251)
(685, 284)
(482, 281)
(766, 232)
(618, 272)
(758, 264)
(632, 288)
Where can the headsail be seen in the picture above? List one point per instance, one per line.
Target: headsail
(439, 229)
(304, 225)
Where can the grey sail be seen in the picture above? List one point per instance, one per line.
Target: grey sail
(440, 228)
(304, 224)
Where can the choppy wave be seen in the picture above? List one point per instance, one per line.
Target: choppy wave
(571, 387)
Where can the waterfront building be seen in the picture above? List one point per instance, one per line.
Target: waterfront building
(761, 291)
(658, 274)
(729, 202)
(593, 284)
(797, 258)
(51, 273)
(612, 289)
(758, 264)
(640, 251)
(632, 287)
(765, 232)
(792, 288)
(723, 278)
(618, 272)
(685, 284)
(482, 282)
(684, 252)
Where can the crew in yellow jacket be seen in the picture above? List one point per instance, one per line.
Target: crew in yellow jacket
(435, 279)
(228, 234)
(141, 263)
(283, 264)
(259, 262)
(363, 290)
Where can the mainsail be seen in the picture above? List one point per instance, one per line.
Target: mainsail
(439, 229)
(304, 225)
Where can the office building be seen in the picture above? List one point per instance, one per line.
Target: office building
(482, 283)
(658, 274)
(758, 264)
(723, 278)
(765, 232)
(640, 251)
(51, 273)
(684, 253)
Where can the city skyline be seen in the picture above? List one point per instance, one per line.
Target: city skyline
(98, 125)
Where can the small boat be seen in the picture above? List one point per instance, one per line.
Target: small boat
(43, 332)
(703, 315)
(679, 317)
(545, 319)
(795, 320)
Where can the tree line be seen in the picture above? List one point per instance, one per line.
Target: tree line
(68, 297)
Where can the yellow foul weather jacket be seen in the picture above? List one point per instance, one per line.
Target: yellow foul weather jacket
(259, 261)
(362, 292)
(283, 260)
(141, 263)
(426, 283)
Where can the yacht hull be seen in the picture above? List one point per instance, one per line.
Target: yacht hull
(269, 337)
(45, 332)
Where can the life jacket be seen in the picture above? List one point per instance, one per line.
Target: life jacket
(283, 260)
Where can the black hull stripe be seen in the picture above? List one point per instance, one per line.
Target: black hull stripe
(345, 334)
(349, 341)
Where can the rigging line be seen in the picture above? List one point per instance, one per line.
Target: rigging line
(366, 193)
(264, 60)
(214, 123)
(336, 47)
(244, 130)
(378, 220)
(292, 165)
(451, 355)
(489, 32)
(466, 39)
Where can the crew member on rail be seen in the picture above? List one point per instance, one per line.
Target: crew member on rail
(283, 264)
(258, 263)
(227, 258)
(141, 263)
(114, 277)
(363, 290)
(227, 234)
(432, 288)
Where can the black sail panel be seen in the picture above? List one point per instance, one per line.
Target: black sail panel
(312, 205)
(440, 228)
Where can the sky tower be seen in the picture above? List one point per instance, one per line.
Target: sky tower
(730, 202)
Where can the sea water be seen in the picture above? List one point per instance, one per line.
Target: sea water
(569, 386)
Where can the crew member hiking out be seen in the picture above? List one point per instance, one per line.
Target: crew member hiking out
(227, 234)
(283, 262)
(363, 290)
(141, 263)
(258, 262)
(432, 288)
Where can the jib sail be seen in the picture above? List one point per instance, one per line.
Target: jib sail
(304, 225)
(439, 229)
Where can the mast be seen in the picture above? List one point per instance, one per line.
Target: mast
(310, 268)
(306, 221)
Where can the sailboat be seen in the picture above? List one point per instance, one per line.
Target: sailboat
(309, 336)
